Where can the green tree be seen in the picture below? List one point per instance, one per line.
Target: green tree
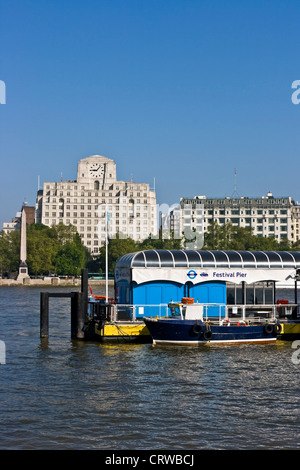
(70, 258)
(160, 243)
(117, 247)
(71, 255)
(264, 244)
(229, 237)
(9, 251)
(65, 233)
(214, 237)
(296, 246)
(56, 249)
(42, 246)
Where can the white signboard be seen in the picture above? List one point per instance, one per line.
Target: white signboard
(198, 275)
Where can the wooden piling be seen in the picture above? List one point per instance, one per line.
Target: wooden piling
(84, 289)
(78, 315)
(79, 309)
(44, 315)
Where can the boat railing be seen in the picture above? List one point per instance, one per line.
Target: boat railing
(237, 313)
(260, 312)
(126, 312)
(209, 312)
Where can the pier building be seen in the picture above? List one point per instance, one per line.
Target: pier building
(157, 277)
(95, 198)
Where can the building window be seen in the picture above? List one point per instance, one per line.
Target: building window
(259, 293)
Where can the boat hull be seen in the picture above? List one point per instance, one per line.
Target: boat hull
(133, 332)
(290, 330)
(189, 332)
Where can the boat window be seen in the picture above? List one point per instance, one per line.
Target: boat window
(175, 310)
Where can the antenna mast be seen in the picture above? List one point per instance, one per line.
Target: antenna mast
(235, 193)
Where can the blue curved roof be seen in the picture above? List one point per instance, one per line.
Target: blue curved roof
(207, 259)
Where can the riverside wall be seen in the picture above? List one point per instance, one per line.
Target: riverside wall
(53, 281)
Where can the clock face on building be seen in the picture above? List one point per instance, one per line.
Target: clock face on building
(96, 170)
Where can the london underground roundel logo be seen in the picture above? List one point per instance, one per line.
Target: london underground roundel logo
(192, 274)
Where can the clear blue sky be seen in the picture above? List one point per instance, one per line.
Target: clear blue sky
(181, 90)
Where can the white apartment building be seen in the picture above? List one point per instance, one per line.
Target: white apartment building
(295, 223)
(95, 197)
(267, 216)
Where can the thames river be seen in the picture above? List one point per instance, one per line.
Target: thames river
(64, 394)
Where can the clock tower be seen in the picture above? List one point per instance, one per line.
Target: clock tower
(97, 168)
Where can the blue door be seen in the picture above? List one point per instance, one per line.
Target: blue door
(149, 296)
(209, 293)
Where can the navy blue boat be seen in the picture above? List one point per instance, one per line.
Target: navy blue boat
(190, 328)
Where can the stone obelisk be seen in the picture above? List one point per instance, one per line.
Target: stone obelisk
(23, 268)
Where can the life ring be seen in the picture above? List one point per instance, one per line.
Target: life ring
(241, 323)
(225, 322)
(268, 328)
(207, 335)
(197, 328)
(281, 302)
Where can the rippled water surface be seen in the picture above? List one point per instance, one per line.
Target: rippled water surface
(64, 394)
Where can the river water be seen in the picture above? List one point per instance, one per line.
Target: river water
(64, 394)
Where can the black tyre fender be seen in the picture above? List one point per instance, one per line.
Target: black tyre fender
(196, 329)
(268, 328)
(207, 335)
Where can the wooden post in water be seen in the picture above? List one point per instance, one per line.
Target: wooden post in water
(77, 316)
(44, 315)
(84, 288)
(79, 305)
(79, 308)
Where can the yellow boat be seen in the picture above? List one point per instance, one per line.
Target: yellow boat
(136, 332)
